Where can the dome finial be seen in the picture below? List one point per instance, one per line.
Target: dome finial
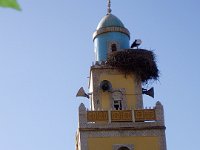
(109, 5)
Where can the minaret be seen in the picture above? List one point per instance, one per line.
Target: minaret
(117, 119)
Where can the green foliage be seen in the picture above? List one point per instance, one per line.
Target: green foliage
(10, 4)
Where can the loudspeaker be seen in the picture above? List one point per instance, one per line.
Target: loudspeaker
(81, 93)
(105, 85)
(149, 92)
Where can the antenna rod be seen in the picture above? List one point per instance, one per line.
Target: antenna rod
(109, 5)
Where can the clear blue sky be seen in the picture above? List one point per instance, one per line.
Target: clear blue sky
(46, 52)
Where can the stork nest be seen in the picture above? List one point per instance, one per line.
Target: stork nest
(138, 61)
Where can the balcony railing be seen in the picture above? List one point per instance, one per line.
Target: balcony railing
(109, 116)
(122, 115)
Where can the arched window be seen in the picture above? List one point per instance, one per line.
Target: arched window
(117, 104)
(123, 148)
(117, 100)
(114, 47)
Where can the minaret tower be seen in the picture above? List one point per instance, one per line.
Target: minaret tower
(117, 119)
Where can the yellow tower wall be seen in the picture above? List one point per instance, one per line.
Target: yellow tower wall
(139, 143)
(127, 83)
(119, 80)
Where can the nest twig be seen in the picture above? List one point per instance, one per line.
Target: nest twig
(138, 61)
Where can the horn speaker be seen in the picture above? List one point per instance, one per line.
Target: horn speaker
(81, 93)
(149, 92)
(105, 85)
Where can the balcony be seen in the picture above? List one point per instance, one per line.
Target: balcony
(155, 114)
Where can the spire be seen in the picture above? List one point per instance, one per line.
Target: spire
(109, 5)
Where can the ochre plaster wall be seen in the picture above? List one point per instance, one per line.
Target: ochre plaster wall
(139, 143)
(120, 81)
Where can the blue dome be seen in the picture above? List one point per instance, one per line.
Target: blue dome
(109, 21)
(110, 36)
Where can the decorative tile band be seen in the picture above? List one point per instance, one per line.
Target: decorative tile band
(111, 29)
(122, 115)
(95, 116)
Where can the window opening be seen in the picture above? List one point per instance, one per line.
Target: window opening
(118, 104)
(114, 47)
(123, 148)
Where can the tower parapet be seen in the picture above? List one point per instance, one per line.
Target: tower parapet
(154, 115)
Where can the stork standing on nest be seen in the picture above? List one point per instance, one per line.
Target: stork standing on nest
(136, 43)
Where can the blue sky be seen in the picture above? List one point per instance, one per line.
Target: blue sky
(46, 51)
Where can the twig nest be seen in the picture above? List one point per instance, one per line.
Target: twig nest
(138, 61)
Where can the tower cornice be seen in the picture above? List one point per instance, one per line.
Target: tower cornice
(111, 29)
